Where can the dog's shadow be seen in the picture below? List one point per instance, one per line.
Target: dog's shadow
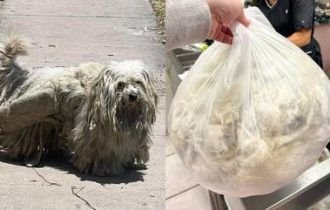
(62, 163)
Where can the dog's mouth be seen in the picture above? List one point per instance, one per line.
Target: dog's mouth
(130, 114)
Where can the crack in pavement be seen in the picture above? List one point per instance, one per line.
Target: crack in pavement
(45, 180)
(80, 197)
(73, 188)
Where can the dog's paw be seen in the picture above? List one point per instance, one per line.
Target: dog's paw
(142, 156)
(134, 164)
(139, 160)
(34, 159)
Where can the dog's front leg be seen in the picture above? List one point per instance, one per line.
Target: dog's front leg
(27, 110)
(140, 157)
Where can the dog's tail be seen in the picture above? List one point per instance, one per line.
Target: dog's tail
(11, 75)
(12, 46)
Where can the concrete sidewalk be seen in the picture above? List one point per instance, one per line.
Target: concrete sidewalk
(65, 33)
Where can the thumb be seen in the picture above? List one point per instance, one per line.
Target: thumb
(244, 20)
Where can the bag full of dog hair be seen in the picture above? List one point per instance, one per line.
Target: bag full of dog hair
(251, 117)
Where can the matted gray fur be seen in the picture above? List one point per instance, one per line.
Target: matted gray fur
(100, 114)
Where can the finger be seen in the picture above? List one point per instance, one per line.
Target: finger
(226, 30)
(224, 35)
(228, 40)
(228, 35)
(244, 20)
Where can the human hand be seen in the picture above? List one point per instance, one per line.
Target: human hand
(223, 13)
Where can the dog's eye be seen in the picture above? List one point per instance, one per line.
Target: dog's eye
(120, 85)
(139, 82)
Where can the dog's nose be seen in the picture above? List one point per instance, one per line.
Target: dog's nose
(132, 97)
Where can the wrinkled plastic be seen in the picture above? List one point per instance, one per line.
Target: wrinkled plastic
(251, 117)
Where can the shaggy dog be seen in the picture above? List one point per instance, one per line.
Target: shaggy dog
(101, 115)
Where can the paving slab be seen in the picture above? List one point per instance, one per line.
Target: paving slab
(182, 191)
(67, 33)
(196, 198)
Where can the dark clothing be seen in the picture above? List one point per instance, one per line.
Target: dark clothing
(289, 16)
(314, 51)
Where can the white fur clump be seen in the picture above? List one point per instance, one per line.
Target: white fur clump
(251, 117)
(101, 115)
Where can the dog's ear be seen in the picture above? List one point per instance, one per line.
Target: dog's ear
(99, 99)
(151, 90)
(102, 93)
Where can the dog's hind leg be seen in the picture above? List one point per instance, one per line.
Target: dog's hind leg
(27, 110)
(30, 144)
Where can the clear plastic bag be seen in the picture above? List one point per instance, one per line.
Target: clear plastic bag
(251, 117)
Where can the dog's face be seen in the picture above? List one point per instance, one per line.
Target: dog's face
(131, 88)
(127, 95)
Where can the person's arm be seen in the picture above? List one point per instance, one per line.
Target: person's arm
(301, 37)
(191, 21)
(303, 17)
(187, 21)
